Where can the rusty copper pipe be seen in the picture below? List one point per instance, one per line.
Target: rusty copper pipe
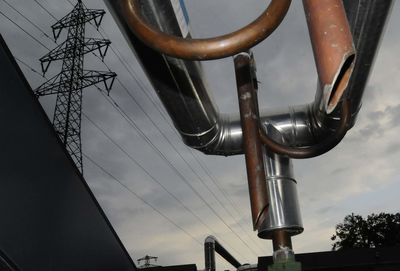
(251, 141)
(333, 49)
(312, 151)
(205, 49)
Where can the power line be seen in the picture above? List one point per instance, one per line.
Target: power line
(141, 198)
(226, 196)
(132, 73)
(172, 145)
(134, 161)
(149, 174)
(29, 67)
(117, 53)
(203, 166)
(46, 10)
(139, 84)
(70, 2)
(21, 28)
(30, 21)
(134, 76)
(177, 172)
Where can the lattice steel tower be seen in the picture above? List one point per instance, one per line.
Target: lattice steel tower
(72, 79)
(147, 259)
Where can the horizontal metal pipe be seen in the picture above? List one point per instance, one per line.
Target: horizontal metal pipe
(183, 91)
(249, 115)
(205, 49)
(211, 245)
(179, 84)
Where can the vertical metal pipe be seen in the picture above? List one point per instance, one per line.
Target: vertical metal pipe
(280, 239)
(283, 252)
(209, 255)
(251, 143)
(211, 245)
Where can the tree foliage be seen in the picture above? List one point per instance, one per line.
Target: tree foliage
(376, 230)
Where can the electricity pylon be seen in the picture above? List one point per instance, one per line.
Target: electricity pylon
(147, 260)
(72, 79)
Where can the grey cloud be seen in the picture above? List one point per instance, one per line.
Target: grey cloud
(377, 125)
(392, 149)
(375, 115)
(339, 170)
(371, 130)
(394, 112)
(324, 210)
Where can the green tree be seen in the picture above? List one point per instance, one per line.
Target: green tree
(376, 230)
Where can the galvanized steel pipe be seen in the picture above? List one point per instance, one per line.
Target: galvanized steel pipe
(325, 145)
(184, 93)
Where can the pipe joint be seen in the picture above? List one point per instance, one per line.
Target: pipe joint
(225, 138)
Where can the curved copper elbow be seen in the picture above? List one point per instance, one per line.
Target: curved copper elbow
(206, 49)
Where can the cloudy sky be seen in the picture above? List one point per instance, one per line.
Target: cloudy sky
(361, 175)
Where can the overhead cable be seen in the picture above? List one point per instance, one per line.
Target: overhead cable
(142, 167)
(142, 199)
(26, 32)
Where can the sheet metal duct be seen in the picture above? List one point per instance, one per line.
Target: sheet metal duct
(183, 90)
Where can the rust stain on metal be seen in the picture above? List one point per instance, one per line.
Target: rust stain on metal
(333, 48)
(251, 141)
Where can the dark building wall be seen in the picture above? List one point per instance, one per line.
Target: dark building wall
(49, 219)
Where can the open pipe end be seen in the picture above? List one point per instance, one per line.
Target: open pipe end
(335, 91)
(333, 49)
